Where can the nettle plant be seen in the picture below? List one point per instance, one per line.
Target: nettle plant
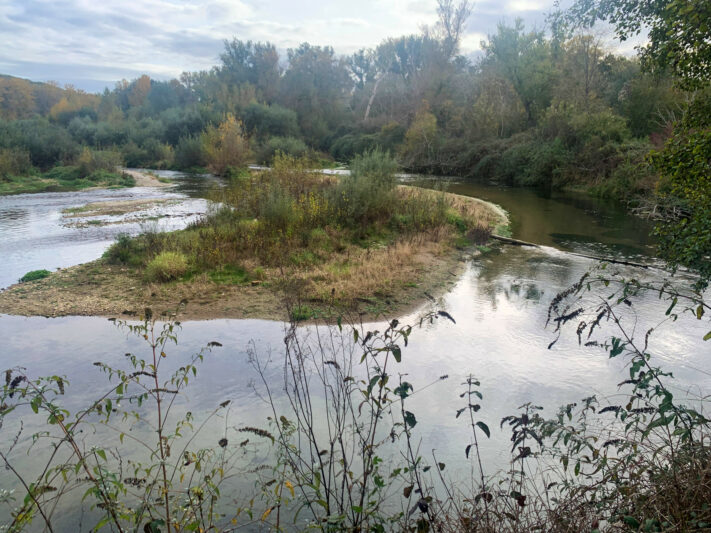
(639, 461)
(153, 479)
(346, 449)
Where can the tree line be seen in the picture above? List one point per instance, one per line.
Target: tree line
(550, 108)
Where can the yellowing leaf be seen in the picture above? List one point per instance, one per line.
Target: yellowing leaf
(267, 513)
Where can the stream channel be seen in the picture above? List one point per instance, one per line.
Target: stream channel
(500, 305)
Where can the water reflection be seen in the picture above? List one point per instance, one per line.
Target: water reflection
(500, 307)
(563, 219)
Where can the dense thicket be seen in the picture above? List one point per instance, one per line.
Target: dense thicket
(536, 109)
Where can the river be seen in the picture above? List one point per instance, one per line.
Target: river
(500, 305)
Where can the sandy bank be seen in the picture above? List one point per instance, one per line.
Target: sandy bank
(144, 179)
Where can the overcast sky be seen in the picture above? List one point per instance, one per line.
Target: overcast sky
(94, 43)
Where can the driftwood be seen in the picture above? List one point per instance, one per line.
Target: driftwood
(517, 242)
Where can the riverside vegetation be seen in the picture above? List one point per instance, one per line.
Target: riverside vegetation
(357, 242)
(347, 458)
(549, 108)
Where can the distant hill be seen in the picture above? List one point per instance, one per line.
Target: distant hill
(21, 98)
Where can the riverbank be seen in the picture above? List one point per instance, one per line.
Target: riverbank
(70, 179)
(368, 280)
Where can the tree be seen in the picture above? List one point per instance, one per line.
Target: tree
(581, 81)
(679, 32)
(139, 91)
(524, 59)
(316, 86)
(679, 40)
(450, 25)
(685, 195)
(226, 146)
(254, 63)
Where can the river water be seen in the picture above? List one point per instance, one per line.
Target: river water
(500, 305)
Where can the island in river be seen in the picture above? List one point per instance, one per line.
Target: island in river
(391, 275)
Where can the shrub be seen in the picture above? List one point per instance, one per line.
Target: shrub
(89, 161)
(14, 162)
(125, 250)
(189, 153)
(290, 146)
(225, 146)
(34, 275)
(367, 194)
(167, 266)
(273, 120)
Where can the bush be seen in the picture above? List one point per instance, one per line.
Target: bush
(34, 275)
(189, 153)
(290, 146)
(225, 146)
(14, 162)
(167, 266)
(268, 121)
(89, 161)
(367, 193)
(125, 251)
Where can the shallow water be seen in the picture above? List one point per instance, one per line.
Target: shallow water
(500, 306)
(35, 235)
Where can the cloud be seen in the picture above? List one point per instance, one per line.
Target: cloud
(92, 41)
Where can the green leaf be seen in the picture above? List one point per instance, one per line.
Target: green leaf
(484, 428)
(707, 336)
(632, 522)
(673, 304)
(396, 352)
(101, 453)
(410, 419)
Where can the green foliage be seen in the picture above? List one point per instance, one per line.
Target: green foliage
(14, 162)
(302, 312)
(685, 166)
(190, 153)
(270, 121)
(230, 274)
(126, 251)
(166, 266)
(290, 146)
(368, 192)
(678, 33)
(34, 275)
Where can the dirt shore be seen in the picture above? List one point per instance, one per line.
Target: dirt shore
(144, 179)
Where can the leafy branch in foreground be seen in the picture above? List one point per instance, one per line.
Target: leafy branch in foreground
(134, 457)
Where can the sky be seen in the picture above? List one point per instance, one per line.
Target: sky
(93, 44)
